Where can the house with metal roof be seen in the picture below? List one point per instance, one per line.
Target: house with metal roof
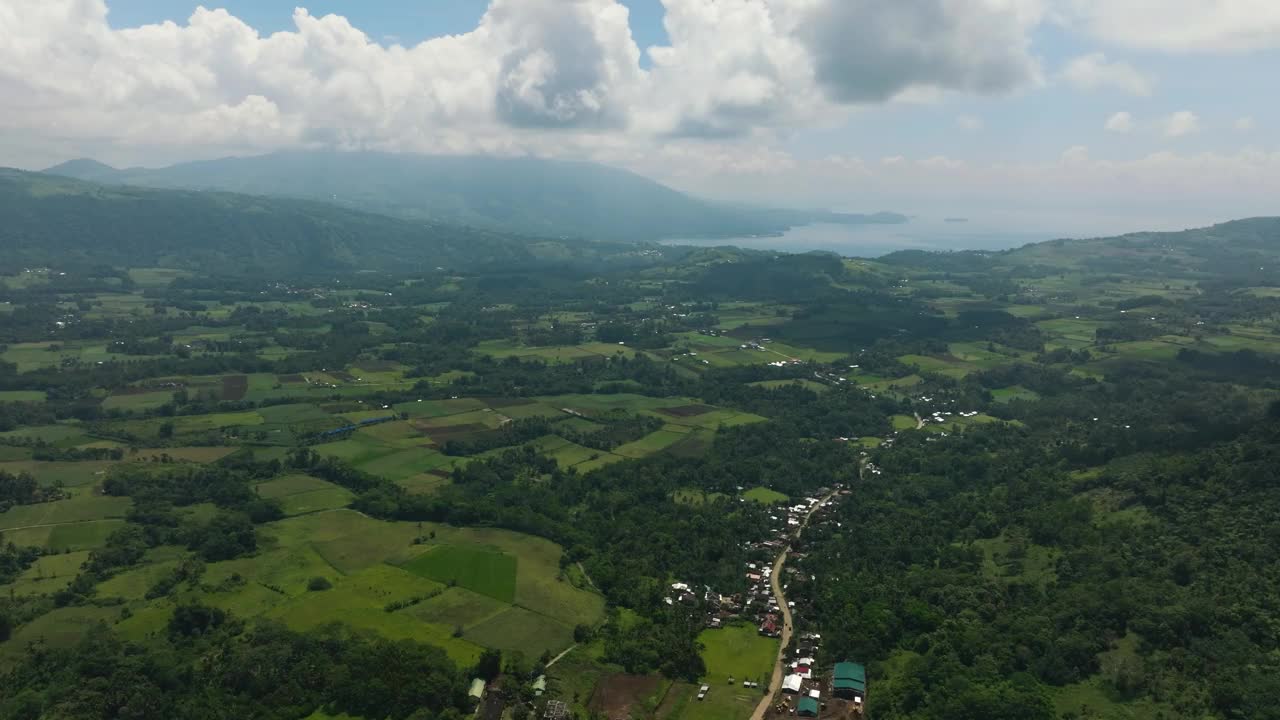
(849, 681)
(807, 707)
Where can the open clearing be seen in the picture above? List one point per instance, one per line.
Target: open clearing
(482, 571)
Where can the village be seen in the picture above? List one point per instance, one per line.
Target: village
(800, 685)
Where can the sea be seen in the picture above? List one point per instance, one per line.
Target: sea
(919, 233)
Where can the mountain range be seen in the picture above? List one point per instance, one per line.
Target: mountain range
(60, 221)
(530, 196)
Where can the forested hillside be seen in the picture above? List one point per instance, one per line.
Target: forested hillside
(530, 196)
(55, 220)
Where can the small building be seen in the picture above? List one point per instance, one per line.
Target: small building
(477, 689)
(791, 684)
(807, 707)
(540, 686)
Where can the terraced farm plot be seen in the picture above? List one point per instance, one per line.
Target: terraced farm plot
(136, 401)
(1015, 392)
(424, 483)
(517, 629)
(649, 444)
(439, 408)
(288, 569)
(88, 535)
(184, 454)
(28, 396)
(565, 453)
(403, 464)
(77, 509)
(943, 366)
(62, 436)
(301, 494)
(204, 423)
(810, 385)
(456, 607)
(70, 473)
(486, 572)
(49, 574)
(360, 601)
(59, 629)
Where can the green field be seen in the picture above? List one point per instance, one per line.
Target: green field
(903, 422)
(765, 496)
(483, 571)
(32, 396)
(77, 509)
(522, 630)
(737, 652)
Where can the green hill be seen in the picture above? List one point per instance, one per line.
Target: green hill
(524, 195)
(61, 221)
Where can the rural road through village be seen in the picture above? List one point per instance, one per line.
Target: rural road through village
(776, 580)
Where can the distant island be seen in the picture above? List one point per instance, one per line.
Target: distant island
(955, 220)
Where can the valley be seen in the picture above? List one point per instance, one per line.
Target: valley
(509, 468)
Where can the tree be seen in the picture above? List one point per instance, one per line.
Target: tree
(195, 619)
(490, 664)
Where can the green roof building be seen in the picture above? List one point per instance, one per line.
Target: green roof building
(807, 707)
(849, 681)
(851, 671)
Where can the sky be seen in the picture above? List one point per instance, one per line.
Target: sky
(1092, 116)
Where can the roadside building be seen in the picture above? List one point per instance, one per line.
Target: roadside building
(807, 707)
(477, 689)
(791, 684)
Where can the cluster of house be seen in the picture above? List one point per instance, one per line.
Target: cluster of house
(719, 608)
(810, 692)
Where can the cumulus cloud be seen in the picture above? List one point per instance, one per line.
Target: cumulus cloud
(1181, 123)
(869, 50)
(533, 76)
(972, 123)
(1121, 122)
(1245, 124)
(1179, 25)
(566, 63)
(1096, 72)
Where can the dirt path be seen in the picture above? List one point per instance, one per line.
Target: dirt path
(775, 682)
(590, 582)
(556, 659)
(919, 422)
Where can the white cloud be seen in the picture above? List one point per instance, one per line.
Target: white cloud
(1121, 122)
(1096, 72)
(1181, 123)
(557, 76)
(1245, 124)
(972, 123)
(1179, 25)
(871, 50)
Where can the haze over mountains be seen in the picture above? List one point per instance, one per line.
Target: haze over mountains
(524, 195)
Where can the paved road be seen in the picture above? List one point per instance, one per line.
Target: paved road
(775, 683)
